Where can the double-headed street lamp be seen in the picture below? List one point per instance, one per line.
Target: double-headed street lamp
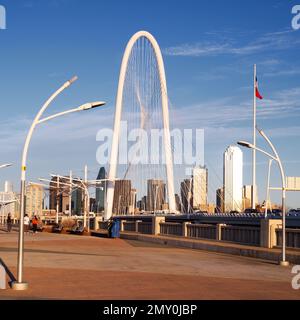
(19, 284)
(276, 158)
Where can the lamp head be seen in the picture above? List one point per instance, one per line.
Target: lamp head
(245, 144)
(6, 165)
(92, 105)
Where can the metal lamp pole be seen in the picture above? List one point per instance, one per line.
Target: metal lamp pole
(276, 158)
(268, 189)
(20, 284)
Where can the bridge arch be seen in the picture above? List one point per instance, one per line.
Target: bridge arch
(117, 121)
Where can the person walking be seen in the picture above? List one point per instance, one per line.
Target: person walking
(34, 224)
(9, 222)
(26, 223)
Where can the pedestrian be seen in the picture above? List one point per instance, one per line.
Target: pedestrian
(34, 224)
(26, 223)
(9, 222)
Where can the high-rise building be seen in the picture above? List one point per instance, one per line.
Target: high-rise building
(156, 194)
(34, 200)
(8, 186)
(122, 197)
(233, 179)
(101, 189)
(220, 200)
(247, 197)
(77, 201)
(144, 203)
(133, 202)
(186, 196)
(178, 202)
(200, 188)
(9, 201)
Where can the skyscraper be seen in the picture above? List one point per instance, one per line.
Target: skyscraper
(9, 201)
(220, 200)
(122, 197)
(34, 200)
(77, 201)
(233, 179)
(186, 195)
(199, 188)
(101, 189)
(156, 194)
(178, 202)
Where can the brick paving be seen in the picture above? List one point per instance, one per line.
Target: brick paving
(79, 267)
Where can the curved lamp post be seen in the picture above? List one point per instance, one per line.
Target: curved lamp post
(276, 158)
(19, 284)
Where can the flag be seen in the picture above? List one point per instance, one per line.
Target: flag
(258, 95)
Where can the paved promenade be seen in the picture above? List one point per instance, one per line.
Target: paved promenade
(77, 267)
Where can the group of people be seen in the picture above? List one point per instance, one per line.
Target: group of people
(34, 222)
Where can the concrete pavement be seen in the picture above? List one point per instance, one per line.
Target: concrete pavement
(79, 267)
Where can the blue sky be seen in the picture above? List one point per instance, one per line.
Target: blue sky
(209, 49)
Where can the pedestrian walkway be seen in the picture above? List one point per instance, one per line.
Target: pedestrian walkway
(80, 267)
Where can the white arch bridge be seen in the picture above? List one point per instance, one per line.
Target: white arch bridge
(146, 37)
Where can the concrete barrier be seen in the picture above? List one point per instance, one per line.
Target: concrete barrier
(2, 277)
(156, 221)
(268, 236)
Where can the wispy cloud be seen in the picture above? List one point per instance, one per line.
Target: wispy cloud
(228, 46)
(229, 111)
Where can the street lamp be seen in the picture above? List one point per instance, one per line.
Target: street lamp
(19, 284)
(276, 158)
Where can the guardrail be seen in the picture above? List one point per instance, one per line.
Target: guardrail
(292, 238)
(145, 227)
(129, 226)
(174, 229)
(103, 225)
(266, 234)
(241, 234)
(201, 231)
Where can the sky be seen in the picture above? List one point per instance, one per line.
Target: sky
(209, 49)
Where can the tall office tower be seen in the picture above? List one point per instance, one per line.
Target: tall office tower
(133, 202)
(101, 189)
(77, 201)
(178, 202)
(9, 202)
(8, 186)
(34, 200)
(156, 194)
(122, 197)
(233, 179)
(186, 195)
(144, 203)
(200, 188)
(247, 197)
(220, 200)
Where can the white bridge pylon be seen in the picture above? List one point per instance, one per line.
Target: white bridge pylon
(117, 121)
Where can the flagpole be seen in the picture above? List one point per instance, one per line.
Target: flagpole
(253, 196)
